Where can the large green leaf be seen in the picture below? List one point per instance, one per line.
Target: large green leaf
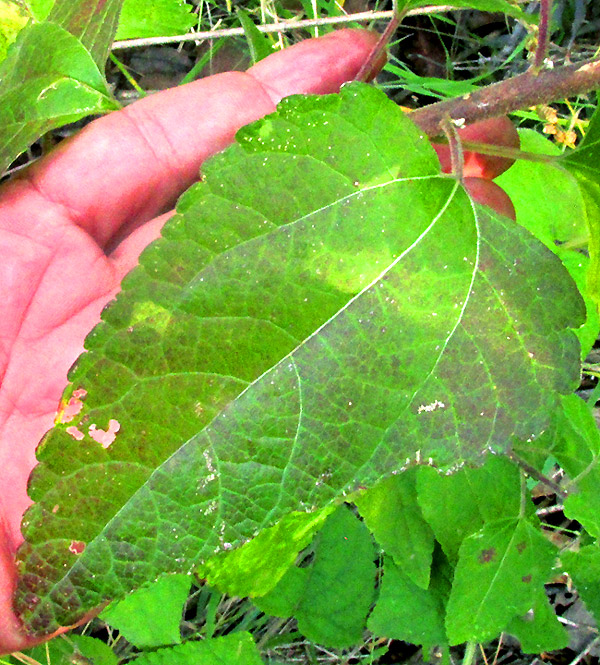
(47, 80)
(324, 307)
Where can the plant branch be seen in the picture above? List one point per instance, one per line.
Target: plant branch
(519, 92)
(543, 35)
(540, 477)
(379, 51)
(283, 26)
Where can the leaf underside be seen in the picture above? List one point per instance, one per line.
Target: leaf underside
(325, 309)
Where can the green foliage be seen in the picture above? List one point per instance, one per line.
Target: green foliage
(150, 616)
(539, 630)
(499, 573)
(502, 6)
(259, 44)
(256, 567)
(307, 339)
(471, 498)
(393, 515)
(331, 597)
(553, 207)
(405, 611)
(234, 649)
(72, 648)
(92, 22)
(584, 568)
(47, 80)
(290, 342)
(584, 165)
(12, 19)
(155, 18)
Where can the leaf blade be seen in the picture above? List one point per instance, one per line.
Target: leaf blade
(257, 297)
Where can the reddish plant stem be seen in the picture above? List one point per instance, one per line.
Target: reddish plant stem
(457, 158)
(519, 92)
(543, 35)
(377, 56)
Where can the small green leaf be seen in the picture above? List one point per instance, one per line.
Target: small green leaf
(502, 6)
(584, 164)
(233, 649)
(48, 79)
(577, 448)
(259, 44)
(40, 8)
(539, 630)
(584, 569)
(394, 517)
(330, 598)
(72, 649)
(150, 616)
(92, 22)
(458, 505)
(155, 18)
(551, 205)
(405, 611)
(13, 19)
(256, 567)
(498, 576)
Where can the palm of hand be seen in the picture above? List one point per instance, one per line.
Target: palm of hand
(76, 224)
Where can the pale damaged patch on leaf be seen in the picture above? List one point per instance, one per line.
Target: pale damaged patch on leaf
(431, 407)
(75, 433)
(105, 437)
(68, 410)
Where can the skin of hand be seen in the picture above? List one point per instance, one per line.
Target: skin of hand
(73, 224)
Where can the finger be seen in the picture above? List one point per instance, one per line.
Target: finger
(132, 164)
(126, 254)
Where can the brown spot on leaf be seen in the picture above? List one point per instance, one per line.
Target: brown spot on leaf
(521, 547)
(526, 579)
(488, 555)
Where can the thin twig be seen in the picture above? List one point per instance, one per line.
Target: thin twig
(284, 26)
(586, 652)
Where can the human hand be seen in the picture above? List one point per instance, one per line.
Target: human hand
(75, 223)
